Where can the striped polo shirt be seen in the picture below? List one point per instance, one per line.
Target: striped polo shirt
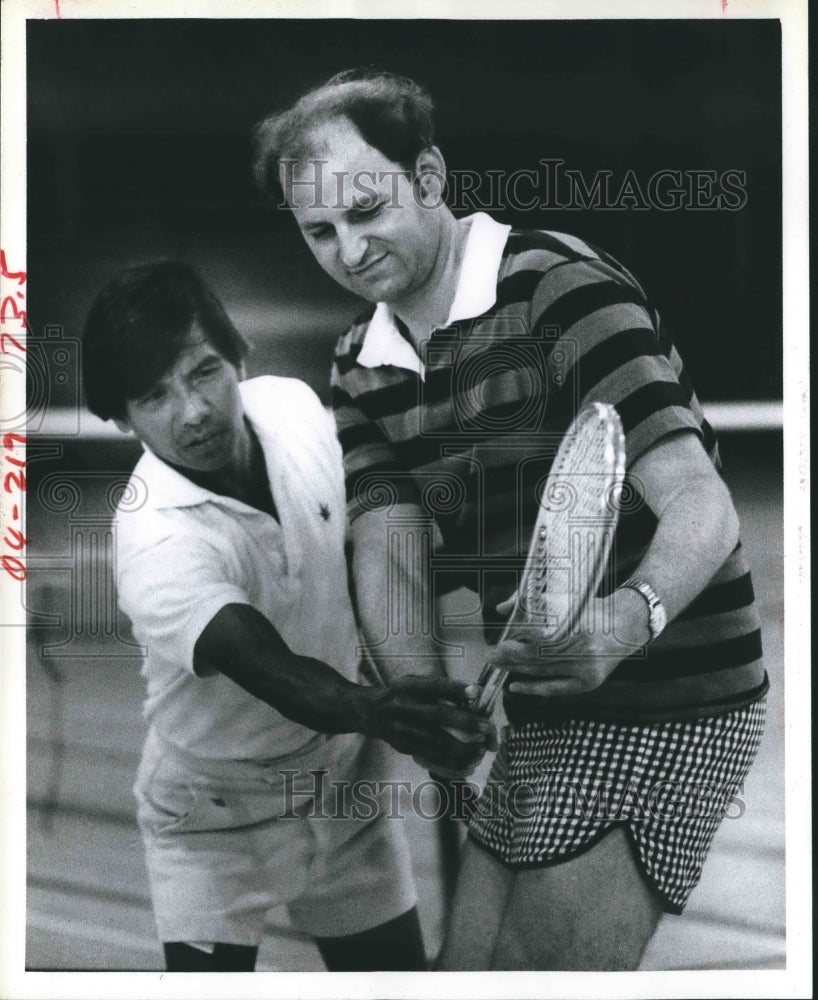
(542, 324)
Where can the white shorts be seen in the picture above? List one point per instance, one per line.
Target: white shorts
(227, 840)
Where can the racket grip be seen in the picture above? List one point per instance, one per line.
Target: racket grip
(491, 682)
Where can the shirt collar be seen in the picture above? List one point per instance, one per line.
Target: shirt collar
(169, 488)
(384, 345)
(476, 292)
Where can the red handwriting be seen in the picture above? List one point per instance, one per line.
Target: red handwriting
(10, 304)
(14, 567)
(19, 276)
(14, 480)
(18, 542)
(19, 314)
(8, 337)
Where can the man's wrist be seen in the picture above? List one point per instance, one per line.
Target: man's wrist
(632, 618)
(419, 666)
(356, 704)
(657, 616)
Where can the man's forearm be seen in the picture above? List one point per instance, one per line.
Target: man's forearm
(416, 715)
(697, 525)
(394, 602)
(243, 645)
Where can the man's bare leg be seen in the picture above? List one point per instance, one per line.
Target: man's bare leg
(484, 886)
(594, 912)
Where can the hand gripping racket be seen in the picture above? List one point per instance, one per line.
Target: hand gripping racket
(572, 536)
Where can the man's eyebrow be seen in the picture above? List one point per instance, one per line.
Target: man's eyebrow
(209, 358)
(361, 201)
(156, 386)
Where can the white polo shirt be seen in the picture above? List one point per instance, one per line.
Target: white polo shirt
(188, 552)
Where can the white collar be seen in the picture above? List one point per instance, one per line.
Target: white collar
(476, 292)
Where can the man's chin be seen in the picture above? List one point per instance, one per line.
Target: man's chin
(379, 290)
(210, 458)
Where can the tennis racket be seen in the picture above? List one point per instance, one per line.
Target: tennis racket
(572, 536)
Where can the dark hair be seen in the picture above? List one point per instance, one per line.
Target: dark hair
(135, 330)
(392, 113)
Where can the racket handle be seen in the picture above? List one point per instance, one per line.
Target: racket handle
(491, 682)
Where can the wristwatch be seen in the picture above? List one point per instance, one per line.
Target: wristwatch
(657, 616)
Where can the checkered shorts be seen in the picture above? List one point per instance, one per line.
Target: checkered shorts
(555, 789)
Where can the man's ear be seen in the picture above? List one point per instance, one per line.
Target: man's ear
(122, 425)
(430, 176)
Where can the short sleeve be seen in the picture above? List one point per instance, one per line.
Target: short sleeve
(614, 350)
(171, 588)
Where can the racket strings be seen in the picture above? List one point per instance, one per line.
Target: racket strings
(572, 533)
(536, 580)
(572, 536)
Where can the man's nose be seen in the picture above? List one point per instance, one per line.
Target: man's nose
(353, 246)
(193, 407)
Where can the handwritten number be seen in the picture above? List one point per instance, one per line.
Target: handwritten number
(19, 275)
(21, 542)
(19, 480)
(12, 481)
(14, 567)
(7, 336)
(18, 313)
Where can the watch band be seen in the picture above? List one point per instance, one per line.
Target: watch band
(657, 616)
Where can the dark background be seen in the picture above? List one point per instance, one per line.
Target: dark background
(139, 146)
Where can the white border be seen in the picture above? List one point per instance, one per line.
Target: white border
(796, 980)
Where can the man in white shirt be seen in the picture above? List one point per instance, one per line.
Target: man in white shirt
(234, 575)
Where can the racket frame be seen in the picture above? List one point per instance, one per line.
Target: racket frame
(493, 678)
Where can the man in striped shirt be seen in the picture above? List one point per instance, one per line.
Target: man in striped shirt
(450, 394)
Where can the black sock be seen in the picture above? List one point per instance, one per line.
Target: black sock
(396, 946)
(182, 957)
